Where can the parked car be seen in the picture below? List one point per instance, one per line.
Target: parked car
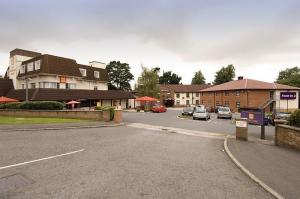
(279, 116)
(158, 109)
(201, 114)
(224, 112)
(188, 111)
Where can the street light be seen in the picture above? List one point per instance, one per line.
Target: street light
(26, 86)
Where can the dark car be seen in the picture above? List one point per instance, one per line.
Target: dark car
(279, 116)
(188, 111)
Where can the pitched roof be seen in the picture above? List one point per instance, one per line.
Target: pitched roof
(180, 88)
(68, 94)
(5, 86)
(250, 84)
(51, 64)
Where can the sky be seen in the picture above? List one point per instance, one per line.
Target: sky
(259, 37)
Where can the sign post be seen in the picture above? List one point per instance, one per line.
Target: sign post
(262, 133)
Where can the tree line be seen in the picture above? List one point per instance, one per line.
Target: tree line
(149, 80)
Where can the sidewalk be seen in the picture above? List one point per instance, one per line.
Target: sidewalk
(277, 167)
(57, 126)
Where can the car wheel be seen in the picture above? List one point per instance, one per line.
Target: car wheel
(194, 118)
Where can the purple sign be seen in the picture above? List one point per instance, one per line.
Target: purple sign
(253, 116)
(287, 95)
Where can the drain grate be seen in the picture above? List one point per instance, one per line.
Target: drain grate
(15, 181)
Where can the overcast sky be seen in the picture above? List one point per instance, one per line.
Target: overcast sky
(259, 37)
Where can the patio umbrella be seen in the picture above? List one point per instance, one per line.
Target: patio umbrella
(7, 100)
(146, 99)
(73, 102)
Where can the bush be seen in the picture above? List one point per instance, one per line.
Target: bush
(294, 119)
(111, 109)
(43, 105)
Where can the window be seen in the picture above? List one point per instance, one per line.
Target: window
(70, 86)
(238, 104)
(177, 95)
(37, 65)
(187, 95)
(237, 93)
(187, 102)
(32, 85)
(22, 70)
(226, 103)
(197, 102)
(52, 84)
(177, 102)
(57, 85)
(197, 94)
(226, 93)
(96, 74)
(30, 67)
(82, 71)
(95, 88)
(41, 84)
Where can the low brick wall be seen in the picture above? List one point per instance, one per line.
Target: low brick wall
(287, 136)
(88, 115)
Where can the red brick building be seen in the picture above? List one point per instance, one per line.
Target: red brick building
(250, 93)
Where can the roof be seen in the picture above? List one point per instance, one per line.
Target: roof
(249, 84)
(55, 65)
(22, 52)
(5, 86)
(180, 88)
(68, 94)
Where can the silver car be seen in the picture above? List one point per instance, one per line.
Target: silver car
(201, 114)
(224, 112)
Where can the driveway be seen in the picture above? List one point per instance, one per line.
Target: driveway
(215, 125)
(118, 162)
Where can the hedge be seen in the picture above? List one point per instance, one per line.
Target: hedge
(111, 109)
(294, 119)
(34, 105)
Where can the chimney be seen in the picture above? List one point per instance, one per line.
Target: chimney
(97, 64)
(240, 77)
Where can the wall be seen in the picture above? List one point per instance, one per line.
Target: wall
(89, 115)
(80, 84)
(287, 136)
(286, 105)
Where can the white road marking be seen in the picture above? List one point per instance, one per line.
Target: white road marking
(38, 160)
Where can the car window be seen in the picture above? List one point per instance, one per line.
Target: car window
(200, 111)
(224, 109)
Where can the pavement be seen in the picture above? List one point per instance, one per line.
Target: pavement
(118, 162)
(277, 167)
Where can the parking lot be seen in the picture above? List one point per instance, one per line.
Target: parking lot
(118, 162)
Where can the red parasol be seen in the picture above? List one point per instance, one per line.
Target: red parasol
(7, 100)
(73, 102)
(146, 99)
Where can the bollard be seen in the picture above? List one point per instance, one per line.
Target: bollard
(118, 117)
(241, 129)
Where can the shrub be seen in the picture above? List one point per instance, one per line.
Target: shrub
(111, 109)
(294, 119)
(37, 105)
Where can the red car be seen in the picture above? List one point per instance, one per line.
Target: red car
(158, 109)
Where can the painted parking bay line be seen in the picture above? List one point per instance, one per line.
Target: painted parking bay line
(41, 159)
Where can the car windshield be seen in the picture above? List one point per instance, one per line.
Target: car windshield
(224, 109)
(188, 109)
(200, 111)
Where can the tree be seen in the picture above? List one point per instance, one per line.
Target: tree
(169, 78)
(198, 78)
(147, 84)
(289, 76)
(225, 74)
(119, 76)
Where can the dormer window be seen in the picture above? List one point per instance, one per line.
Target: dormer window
(83, 72)
(22, 69)
(96, 74)
(30, 67)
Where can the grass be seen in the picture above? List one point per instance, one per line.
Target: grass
(27, 120)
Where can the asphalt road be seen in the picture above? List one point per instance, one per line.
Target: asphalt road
(118, 162)
(215, 125)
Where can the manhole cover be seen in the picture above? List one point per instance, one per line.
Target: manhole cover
(15, 181)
